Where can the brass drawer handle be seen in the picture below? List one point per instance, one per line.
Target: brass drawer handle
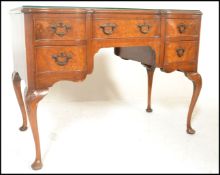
(60, 29)
(108, 28)
(181, 28)
(180, 52)
(62, 59)
(144, 28)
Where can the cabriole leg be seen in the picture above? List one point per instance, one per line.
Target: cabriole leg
(17, 88)
(197, 85)
(150, 73)
(31, 99)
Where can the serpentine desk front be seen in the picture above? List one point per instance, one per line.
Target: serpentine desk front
(59, 43)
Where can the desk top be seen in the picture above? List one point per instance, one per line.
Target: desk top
(74, 9)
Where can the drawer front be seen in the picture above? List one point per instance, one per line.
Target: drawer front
(59, 28)
(60, 58)
(182, 27)
(110, 28)
(181, 52)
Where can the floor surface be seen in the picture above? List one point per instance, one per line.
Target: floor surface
(116, 137)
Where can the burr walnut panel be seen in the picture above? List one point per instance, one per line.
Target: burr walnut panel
(182, 27)
(181, 52)
(52, 28)
(60, 58)
(126, 28)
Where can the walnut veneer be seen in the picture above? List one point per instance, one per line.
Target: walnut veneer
(59, 43)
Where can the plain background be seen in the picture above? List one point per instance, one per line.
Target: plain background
(100, 125)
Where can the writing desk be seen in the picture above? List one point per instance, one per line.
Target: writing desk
(59, 43)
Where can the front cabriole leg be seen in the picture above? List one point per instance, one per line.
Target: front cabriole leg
(197, 85)
(17, 88)
(32, 97)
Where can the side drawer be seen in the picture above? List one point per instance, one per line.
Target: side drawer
(59, 28)
(181, 52)
(60, 58)
(182, 27)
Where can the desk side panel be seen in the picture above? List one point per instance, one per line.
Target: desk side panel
(18, 44)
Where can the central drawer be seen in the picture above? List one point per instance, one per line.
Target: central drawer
(60, 58)
(126, 28)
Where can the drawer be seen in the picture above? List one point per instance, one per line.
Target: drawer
(56, 28)
(181, 52)
(60, 58)
(125, 28)
(182, 27)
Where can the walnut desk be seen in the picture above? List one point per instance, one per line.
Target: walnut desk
(59, 43)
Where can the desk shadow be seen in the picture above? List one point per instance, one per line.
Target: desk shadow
(97, 86)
